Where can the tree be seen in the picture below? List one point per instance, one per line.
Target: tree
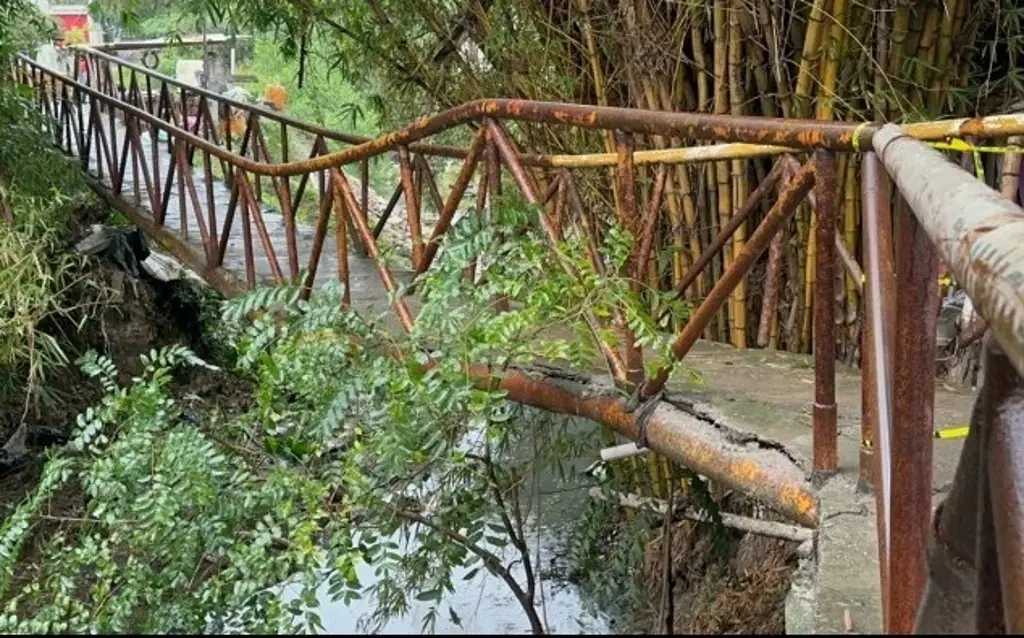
(358, 441)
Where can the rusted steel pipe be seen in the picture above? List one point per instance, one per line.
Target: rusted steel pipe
(792, 133)
(261, 228)
(650, 224)
(852, 267)
(678, 435)
(412, 206)
(454, 197)
(585, 221)
(395, 196)
(319, 235)
(826, 434)
(1005, 469)
(876, 425)
(770, 299)
(363, 228)
(979, 232)
(913, 418)
(341, 222)
(626, 176)
(772, 223)
(737, 220)
(313, 129)
(625, 208)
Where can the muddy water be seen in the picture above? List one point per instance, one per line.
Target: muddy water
(484, 604)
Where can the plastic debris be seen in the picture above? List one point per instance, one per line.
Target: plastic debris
(130, 252)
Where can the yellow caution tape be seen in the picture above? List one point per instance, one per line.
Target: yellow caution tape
(963, 146)
(957, 432)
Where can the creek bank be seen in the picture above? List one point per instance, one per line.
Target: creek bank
(724, 581)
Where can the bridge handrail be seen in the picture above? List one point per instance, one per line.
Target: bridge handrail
(315, 129)
(334, 160)
(776, 134)
(790, 132)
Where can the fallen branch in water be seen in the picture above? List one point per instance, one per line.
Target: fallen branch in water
(773, 529)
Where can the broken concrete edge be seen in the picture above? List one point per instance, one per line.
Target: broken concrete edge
(678, 429)
(799, 606)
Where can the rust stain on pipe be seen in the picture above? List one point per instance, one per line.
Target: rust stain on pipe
(682, 437)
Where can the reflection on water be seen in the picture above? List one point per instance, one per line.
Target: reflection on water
(484, 604)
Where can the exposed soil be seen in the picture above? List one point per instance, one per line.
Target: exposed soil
(723, 581)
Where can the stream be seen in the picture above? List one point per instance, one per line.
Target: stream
(484, 604)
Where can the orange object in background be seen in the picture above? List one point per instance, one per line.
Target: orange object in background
(236, 123)
(276, 95)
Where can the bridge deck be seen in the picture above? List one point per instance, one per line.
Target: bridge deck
(365, 283)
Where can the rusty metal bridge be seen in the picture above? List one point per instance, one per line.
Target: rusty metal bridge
(195, 171)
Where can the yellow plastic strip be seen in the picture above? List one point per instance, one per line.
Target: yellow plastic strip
(957, 432)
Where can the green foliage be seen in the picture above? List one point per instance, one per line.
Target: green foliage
(22, 26)
(39, 188)
(179, 534)
(361, 447)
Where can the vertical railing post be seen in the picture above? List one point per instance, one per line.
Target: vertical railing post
(912, 441)
(973, 583)
(626, 210)
(826, 450)
(877, 369)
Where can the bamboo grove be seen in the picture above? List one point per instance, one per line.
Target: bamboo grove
(855, 60)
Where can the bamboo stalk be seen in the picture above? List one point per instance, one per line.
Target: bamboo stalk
(1009, 178)
(945, 45)
(809, 58)
(740, 187)
(926, 54)
(723, 184)
(900, 30)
